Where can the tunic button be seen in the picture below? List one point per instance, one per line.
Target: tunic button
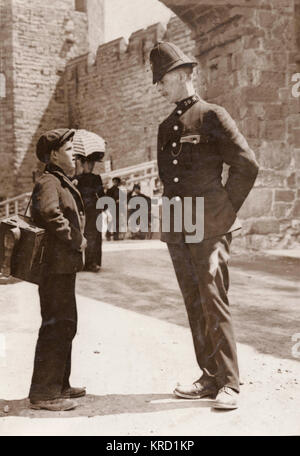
(177, 198)
(175, 127)
(174, 144)
(176, 179)
(179, 111)
(175, 162)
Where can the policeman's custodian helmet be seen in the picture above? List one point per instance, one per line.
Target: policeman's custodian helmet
(165, 57)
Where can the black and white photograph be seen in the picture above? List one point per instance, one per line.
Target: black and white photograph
(150, 220)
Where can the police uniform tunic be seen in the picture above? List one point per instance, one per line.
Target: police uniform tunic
(193, 144)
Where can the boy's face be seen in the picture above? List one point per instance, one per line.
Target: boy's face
(170, 86)
(64, 157)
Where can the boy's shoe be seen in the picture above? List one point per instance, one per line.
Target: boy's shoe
(72, 392)
(197, 390)
(55, 405)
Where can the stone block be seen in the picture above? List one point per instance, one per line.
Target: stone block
(263, 94)
(257, 242)
(296, 209)
(252, 42)
(265, 226)
(270, 179)
(258, 203)
(247, 14)
(251, 128)
(273, 44)
(275, 155)
(275, 130)
(282, 210)
(215, 91)
(294, 106)
(274, 112)
(293, 56)
(297, 158)
(296, 137)
(258, 111)
(279, 61)
(266, 60)
(284, 94)
(295, 224)
(246, 225)
(266, 19)
(291, 180)
(286, 196)
(273, 78)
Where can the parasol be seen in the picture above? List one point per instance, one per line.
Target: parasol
(89, 145)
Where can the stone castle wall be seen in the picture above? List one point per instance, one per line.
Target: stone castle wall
(39, 39)
(45, 38)
(247, 53)
(6, 100)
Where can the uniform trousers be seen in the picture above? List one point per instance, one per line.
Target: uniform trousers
(52, 363)
(202, 274)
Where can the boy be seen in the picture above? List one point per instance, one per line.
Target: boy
(57, 206)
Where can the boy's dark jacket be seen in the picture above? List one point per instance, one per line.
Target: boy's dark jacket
(188, 169)
(57, 206)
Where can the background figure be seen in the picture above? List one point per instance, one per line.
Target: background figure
(114, 193)
(91, 188)
(136, 192)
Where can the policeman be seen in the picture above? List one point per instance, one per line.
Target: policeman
(57, 206)
(193, 144)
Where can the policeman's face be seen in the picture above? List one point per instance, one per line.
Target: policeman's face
(170, 86)
(64, 158)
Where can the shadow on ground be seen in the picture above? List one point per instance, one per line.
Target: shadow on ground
(264, 294)
(111, 404)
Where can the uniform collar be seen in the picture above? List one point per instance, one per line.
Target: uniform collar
(185, 104)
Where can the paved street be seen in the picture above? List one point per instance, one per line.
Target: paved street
(134, 345)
